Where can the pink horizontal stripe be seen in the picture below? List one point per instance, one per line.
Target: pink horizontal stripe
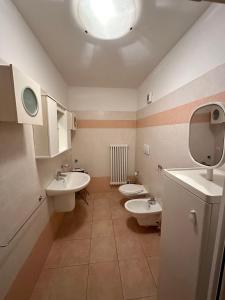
(106, 123)
(179, 114)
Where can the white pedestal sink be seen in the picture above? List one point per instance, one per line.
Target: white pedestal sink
(64, 189)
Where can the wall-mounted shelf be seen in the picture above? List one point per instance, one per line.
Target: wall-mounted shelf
(54, 137)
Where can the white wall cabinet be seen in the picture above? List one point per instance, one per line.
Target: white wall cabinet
(53, 137)
(20, 97)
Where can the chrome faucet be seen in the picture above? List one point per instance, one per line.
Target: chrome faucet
(60, 176)
(151, 201)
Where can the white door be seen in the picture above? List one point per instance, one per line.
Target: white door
(183, 220)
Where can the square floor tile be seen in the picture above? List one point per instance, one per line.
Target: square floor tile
(104, 282)
(62, 283)
(97, 196)
(117, 202)
(54, 256)
(103, 249)
(137, 280)
(70, 283)
(150, 244)
(114, 194)
(124, 226)
(102, 228)
(83, 212)
(69, 253)
(45, 285)
(75, 252)
(101, 213)
(119, 212)
(75, 230)
(154, 267)
(101, 202)
(128, 246)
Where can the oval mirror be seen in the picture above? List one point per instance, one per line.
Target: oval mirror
(206, 135)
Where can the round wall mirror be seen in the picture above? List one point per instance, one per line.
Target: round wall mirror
(206, 135)
(30, 102)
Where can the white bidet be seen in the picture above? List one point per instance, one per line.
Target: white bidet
(146, 212)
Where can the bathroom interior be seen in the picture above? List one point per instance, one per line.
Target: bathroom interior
(112, 125)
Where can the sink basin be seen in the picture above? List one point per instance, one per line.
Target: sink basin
(71, 183)
(63, 190)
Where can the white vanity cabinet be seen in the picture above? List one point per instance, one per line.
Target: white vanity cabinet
(20, 97)
(53, 137)
(189, 223)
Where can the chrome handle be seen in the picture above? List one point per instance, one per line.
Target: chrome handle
(193, 216)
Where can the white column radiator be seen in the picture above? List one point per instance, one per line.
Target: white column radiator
(119, 164)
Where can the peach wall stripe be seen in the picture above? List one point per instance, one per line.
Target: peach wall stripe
(26, 279)
(106, 123)
(179, 114)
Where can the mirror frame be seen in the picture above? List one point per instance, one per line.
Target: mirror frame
(222, 161)
(24, 105)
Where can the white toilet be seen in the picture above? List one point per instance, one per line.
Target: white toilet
(132, 190)
(147, 214)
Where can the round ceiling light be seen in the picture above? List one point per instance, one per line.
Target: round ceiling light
(106, 19)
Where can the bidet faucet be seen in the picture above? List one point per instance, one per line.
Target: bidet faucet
(151, 201)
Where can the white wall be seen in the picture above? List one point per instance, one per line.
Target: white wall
(20, 47)
(102, 99)
(200, 50)
(20, 174)
(91, 145)
(192, 70)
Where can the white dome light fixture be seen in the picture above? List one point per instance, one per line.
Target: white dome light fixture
(106, 19)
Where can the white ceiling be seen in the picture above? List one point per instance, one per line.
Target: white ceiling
(85, 61)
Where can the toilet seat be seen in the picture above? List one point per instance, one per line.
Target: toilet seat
(130, 190)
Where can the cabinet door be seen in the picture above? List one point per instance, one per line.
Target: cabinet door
(28, 99)
(52, 127)
(69, 128)
(41, 139)
(185, 223)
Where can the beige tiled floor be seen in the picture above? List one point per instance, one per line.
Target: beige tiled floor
(101, 253)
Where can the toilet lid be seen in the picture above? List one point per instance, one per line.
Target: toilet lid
(130, 189)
